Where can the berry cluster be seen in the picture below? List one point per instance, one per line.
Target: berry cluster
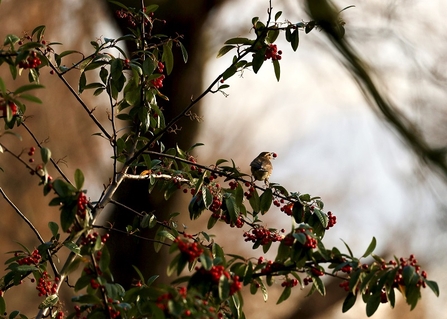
(158, 82)
(31, 151)
(218, 271)
(263, 235)
(90, 270)
(163, 300)
(11, 105)
(310, 242)
(239, 223)
(270, 266)
(233, 185)
(82, 205)
(31, 62)
(406, 262)
(59, 315)
(345, 285)
(289, 283)
(347, 269)
(190, 250)
(131, 19)
(332, 220)
(94, 283)
(45, 286)
(215, 206)
(272, 53)
(307, 281)
(287, 209)
(249, 193)
(33, 259)
(91, 238)
(317, 272)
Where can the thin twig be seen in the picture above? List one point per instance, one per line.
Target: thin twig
(113, 139)
(51, 159)
(78, 98)
(34, 229)
(133, 235)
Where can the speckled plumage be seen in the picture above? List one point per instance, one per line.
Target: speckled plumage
(261, 167)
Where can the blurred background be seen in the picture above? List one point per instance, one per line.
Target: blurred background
(330, 141)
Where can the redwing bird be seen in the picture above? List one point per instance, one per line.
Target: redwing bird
(261, 167)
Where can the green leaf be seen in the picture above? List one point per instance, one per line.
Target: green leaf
(62, 188)
(295, 39)
(322, 217)
(38, 31)
(272, 35)
(277, 69)
(349, 249)
(104, 262)
(73, 247)
(370, 248)
(265, 295)
(184, 52)
(319, 285)
(285, 295)
(11, 39)
(207, 197)
(151, 280)
(224, 50)
(349, 302)
(118, 3)
(239, 40)
(54, 227)
(49, 301)
(2, 305)
(410, 276)
(67, 218)
(166, 234)
(26, 268)
(223, 288)
(373, 303)
(140, 275)
(211, 222)
(266, 201)
(255, 202)
(228, 73)
(33, 75)
(206, 261)
(79, 179)
(277, 15)
(258, 59)
(232, 208)
(31, 98)
(116, 69)
(2, 87)
(433, 286)
(167, 57)
(28, 87)
(82, 82)
(45, 153)
(148, 66)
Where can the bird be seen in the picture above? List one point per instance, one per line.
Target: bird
(261, 167)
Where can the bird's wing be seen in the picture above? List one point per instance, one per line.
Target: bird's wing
(257, 164)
